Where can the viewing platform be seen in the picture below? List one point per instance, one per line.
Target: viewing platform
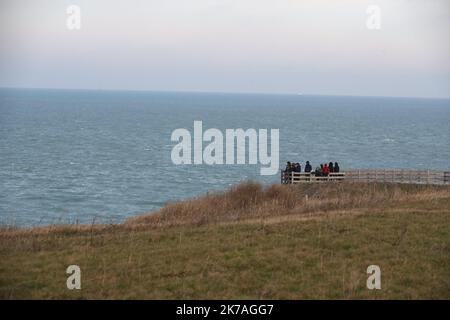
(371, 175)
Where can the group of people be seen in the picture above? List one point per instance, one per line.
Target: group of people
(322, 170)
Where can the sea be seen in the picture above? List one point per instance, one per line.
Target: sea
(86, 156)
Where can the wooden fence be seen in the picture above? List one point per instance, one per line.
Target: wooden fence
(372, 175)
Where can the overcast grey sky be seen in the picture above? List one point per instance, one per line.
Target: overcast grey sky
(278, 46)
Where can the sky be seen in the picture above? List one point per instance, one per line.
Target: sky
(259, 46)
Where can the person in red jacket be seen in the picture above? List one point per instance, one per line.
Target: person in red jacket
(326, 169)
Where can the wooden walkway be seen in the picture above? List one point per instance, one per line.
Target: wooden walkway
(372, 175)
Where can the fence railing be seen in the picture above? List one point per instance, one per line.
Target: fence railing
(371, 175)
(299, 177)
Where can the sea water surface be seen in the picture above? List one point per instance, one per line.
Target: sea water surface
(104, 156)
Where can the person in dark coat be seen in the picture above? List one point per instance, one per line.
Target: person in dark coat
(336, 167)
(318, 171)
(308, 167)
(288, 167)
(331, 167)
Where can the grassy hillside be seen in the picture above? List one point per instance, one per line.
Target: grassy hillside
(280, 242)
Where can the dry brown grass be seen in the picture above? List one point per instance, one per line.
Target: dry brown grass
(251, 200)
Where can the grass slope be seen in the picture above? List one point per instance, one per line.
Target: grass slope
(280, 242)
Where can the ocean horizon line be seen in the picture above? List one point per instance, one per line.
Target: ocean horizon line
(219, 93)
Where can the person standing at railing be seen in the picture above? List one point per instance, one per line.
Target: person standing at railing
(336, 167)
(288, 167)
(325, 170)
(298, 167)
(308, 167)
(331, 167)
(286, 172)
(318, 172)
